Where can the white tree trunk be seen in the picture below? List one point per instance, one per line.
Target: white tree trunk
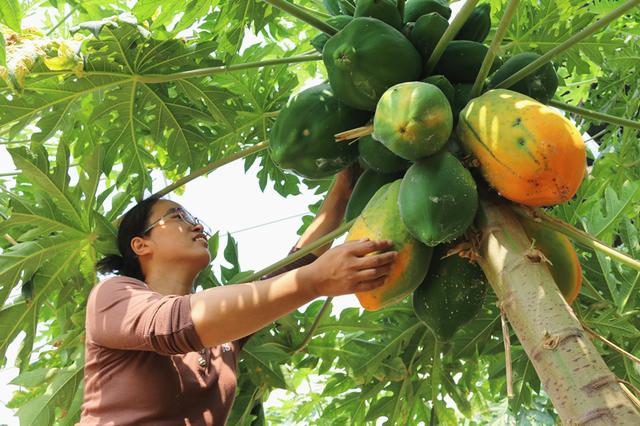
(583, 390)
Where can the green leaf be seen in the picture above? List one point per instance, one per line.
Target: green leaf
(11, 14)
(64, 386)
(3, 51)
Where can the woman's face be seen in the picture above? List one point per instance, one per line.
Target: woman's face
(173, 239)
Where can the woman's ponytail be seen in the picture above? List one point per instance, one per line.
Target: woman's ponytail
(133, 223)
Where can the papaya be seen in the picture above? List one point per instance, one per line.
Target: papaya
(377, 157)
(451, 295)
(384, 10)
(358, 64)
(380, 220)
(426, 33)
(477, 25)
(462, 96)
(564, 263)
(338, 22)
(527, 151)
(413, 9)
(461, 60)
(332, 7)
(441, 82)
(302, 138)
(541, 85)
(438, 199)
(413, 120)
(368, 183)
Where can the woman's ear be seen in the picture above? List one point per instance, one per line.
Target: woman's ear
(140, 246)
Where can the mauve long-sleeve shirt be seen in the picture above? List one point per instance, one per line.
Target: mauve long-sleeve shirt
(146, 365)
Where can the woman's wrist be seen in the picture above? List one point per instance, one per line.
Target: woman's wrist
(308, 283)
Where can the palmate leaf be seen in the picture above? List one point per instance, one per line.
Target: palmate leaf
(543, 25)
(65, 386)
(61, 261)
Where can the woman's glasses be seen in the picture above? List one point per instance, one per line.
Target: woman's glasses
(183, 215)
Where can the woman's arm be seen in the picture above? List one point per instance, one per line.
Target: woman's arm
(223, 314)
(331, 212)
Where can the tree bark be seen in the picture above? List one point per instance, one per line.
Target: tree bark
(583, 390)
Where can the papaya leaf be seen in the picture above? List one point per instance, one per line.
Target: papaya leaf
(11, 14)
(64, 386)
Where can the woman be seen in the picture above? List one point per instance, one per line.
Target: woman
(159, 354)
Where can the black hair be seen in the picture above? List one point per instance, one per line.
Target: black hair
(132, 225)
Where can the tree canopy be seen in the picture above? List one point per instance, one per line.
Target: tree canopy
(103, 92)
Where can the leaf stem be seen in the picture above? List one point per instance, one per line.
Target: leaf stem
(211, 167)
(610, 344)
(505, 21)
(595, 115)
(202, 72)
(435, 372)
(61, 21)
(567, 44)
(300, 253)
(303, 15)
(314, 325)
(575, 234)
(450, 33)
(507, 352)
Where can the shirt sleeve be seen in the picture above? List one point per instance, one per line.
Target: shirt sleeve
(123, 313)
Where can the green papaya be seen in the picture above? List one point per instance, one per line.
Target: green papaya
(462, 97)
(302, 138)
(477, 25)
(347, 7)
(332, 7)
(358, 62)
(338, 22)
(367, 185)
(438, 199)
(540, 85)
(413, 120)
(380, 220)
(451, 295)
(384, 10)
(377, 157)
(461, 61)
(426, 33)
(413, 9)
(441, 82)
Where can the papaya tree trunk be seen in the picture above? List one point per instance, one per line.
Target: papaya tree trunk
(583, 390)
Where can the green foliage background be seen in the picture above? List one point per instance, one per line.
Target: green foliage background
(104, 93)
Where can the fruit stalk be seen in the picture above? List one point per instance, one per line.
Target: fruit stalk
(303, 15)
(573, 374)
(569, 43)
(450, 33)
(494, 47)
(401, 7)
(595, 115)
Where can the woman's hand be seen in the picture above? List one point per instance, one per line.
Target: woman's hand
(347, 269)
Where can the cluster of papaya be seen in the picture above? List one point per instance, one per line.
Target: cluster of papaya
(416, 190)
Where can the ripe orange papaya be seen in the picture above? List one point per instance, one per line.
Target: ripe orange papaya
(564, 264)
(380, 220)
(528, 152)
